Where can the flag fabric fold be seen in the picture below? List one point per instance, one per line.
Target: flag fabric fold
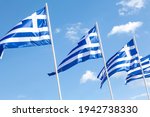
(31, 31)
(124, 60)
(88, 48)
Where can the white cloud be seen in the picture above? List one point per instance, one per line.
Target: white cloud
(139, 96)
(57, 30)
(129, 7)
(74, 31)
(126, 28)
(88, 76)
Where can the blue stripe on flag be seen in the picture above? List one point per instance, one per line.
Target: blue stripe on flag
(116, 70)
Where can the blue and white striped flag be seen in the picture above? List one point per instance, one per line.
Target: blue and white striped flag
(123, 60)
(31, 31)
(136, 73)
(88, 48)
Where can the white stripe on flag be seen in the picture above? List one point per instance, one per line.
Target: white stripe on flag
(25, 39)
(37, 16)
(23, 30)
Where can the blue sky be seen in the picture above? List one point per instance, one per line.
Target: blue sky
(24, 71)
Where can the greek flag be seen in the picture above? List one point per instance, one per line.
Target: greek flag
(136, 73)
(31, 31)
(123, 60)
(88, 48)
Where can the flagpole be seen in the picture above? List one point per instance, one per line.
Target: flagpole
(145, 83)
(101, 46)
(53, 50)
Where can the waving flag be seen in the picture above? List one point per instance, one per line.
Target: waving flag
(123, 60)
(31, 31)
(88, 48)
(136, 73)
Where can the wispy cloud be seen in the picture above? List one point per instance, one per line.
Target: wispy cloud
(73, 31)
(129, 7)
(21, 96)
(141, 83)
(148, 82)
(126, 28)
(57, 30)
(88, 76)
(139, 96)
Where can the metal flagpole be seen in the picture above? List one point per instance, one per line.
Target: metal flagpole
(145, 83)
(101, 46)
(53, 50)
